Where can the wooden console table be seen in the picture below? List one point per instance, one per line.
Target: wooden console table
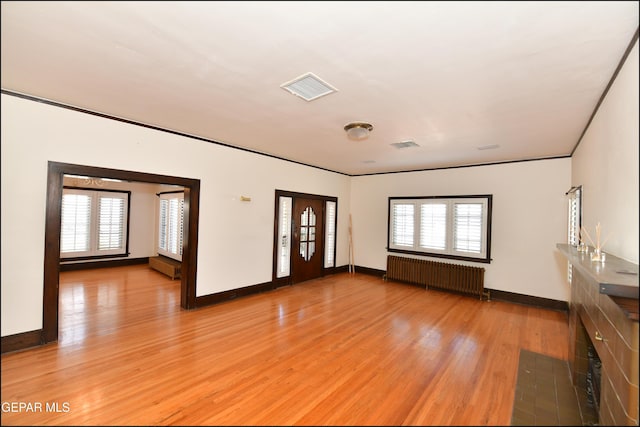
(603, 312)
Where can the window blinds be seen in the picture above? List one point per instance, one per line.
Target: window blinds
(284, 236)
(433, 226)
(403, 224)
(453, 227)
(330, 234)
(468, 227)
(111, 223)
(75, 234)
(171, 225)
(94, 223)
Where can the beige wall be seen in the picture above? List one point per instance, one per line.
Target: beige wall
(235, 238)
(606, 165)
(529, 218)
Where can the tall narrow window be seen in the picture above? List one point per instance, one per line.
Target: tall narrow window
(75, 235)
(330, 235)
(284, 236)
(94, 223)
(403, 224)
(170, 223)
(111, 220)
(433, 226)
(574, 215)
(468, 227)
(574, 222)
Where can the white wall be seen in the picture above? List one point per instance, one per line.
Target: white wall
(606, 165)
(529, 218)
(235, 238)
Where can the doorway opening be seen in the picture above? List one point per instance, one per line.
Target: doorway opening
(55, 178)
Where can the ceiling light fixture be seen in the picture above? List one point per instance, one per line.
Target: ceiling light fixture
(358, 130)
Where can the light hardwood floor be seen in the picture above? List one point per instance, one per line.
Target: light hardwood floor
(340, 350)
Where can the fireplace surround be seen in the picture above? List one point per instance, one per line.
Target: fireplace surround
(603, 320)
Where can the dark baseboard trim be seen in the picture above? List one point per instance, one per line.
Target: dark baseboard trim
(283, 281)
(547, 303)
(330, 270)
(496, 295)
(342, 269)
(21, 341)
(370, 271)
(219, 297)
(103, 264)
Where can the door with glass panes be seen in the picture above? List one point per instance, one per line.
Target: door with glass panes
(307, 244)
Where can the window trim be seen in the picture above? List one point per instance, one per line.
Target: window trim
(126, 253)
(486, 258)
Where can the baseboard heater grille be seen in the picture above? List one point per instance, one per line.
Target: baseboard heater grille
(441, 275)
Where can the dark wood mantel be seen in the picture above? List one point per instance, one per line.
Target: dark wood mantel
(603, 315)
(615, 277)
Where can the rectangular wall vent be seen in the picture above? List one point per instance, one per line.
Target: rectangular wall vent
(308, 87)
(405, 144)
(489, 147)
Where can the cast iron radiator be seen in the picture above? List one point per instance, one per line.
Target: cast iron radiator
(441, 275)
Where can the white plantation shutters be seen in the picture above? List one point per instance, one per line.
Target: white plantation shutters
(450, 227)
(574, 222)
(171, 225)
(467, 227)
(94, 223)
(573, 232)
(403, 224)
(75, 232)
(284, 236)
(433, 226)
(163, 219)
(330, 234)
(111, 223)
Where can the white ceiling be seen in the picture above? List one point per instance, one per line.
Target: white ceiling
(450, 76)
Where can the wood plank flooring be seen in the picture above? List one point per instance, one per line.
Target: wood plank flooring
(340, 350)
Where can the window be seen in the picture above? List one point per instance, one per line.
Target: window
(94, 223)
(170, 230)
(574, 214)
(330, 234)
(574, 222)
(171, 225)
(456, 227)
(284, 240)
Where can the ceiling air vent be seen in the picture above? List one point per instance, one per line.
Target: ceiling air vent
(404, 144)
(489, 147)
(308, 87)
